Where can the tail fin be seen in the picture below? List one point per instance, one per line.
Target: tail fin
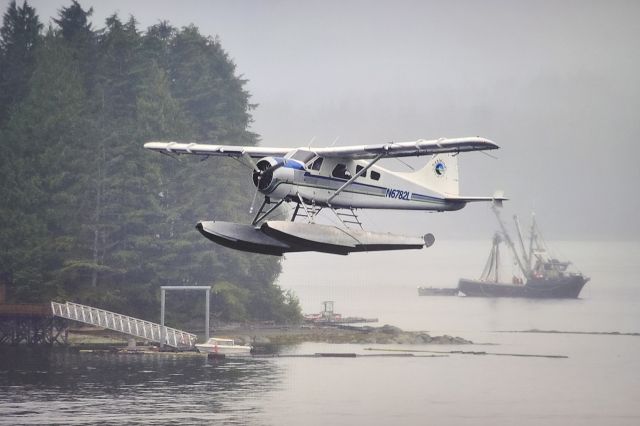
(440, 174)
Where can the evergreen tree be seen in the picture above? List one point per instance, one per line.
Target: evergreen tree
(19, 37)
(74, 23)
(77, 31)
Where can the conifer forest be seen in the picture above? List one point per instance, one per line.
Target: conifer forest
(88, 215)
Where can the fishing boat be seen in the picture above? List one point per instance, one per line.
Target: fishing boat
(539, 274)
(226, 347)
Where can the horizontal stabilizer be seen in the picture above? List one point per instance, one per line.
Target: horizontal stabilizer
(497, 199)
(473, 199)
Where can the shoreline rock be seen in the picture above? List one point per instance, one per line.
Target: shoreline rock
(271, 336)
(386, 334)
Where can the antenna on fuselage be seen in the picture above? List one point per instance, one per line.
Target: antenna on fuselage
(310, 142)
(405, 163)
(335, 140)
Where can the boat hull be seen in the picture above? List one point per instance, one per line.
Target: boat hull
(235, 350)
(566, 287)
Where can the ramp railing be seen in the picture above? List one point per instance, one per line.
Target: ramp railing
(124, 324)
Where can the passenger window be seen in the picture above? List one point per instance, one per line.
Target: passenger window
(317, 164)
(358, 168)
(340, 171)
(375, 175)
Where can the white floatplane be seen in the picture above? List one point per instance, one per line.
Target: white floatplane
(337, 178)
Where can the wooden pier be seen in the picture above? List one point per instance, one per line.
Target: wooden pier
(31, 324)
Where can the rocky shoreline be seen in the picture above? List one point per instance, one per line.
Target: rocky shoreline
(273, 335)
(386, 334)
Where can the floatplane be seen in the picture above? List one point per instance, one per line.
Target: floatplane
(340, 179)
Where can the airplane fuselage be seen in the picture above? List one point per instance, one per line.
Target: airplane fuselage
(377, 188)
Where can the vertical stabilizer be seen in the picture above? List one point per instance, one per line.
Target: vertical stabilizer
(440, 175)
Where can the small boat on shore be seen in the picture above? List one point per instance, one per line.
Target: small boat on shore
(328, 317)
(226, 347)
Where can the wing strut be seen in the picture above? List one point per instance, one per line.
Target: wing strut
(356, 176)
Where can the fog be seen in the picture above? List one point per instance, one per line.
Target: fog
(555, 84)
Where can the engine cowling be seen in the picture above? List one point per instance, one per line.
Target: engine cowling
(263, 179)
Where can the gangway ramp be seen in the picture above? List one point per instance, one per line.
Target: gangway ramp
(124, 324)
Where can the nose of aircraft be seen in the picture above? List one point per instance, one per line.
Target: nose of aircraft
(263, 178)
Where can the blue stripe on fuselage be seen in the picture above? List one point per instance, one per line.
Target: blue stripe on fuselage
(414, 196)
(341, 181)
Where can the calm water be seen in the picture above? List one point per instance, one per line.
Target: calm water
(598, 384)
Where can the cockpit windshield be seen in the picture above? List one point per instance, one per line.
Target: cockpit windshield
(302, 155)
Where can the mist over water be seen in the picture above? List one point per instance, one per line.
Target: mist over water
(597, 384)
(555, 84)
(384, 285)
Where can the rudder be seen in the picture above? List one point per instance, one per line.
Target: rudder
(440, 174)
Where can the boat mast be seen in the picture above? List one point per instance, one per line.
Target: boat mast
(509, 241)
(497, 265)
(526, 256)
(493, 262)
(532, 237)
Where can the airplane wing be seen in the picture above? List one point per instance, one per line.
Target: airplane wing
(355, 152)
(408, 149)
(216, 150)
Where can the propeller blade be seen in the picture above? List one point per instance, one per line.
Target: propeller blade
(255, 195)
(271, 169)
(258, 175)
(249, 160)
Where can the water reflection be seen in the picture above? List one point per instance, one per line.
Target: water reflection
(40, 386)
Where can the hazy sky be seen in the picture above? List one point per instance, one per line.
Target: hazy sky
(555, 83)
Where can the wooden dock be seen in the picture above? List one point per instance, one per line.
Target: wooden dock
(31, 324)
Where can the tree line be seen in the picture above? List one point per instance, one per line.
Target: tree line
(86, 214)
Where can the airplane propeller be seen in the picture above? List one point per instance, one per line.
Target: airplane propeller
(262, 175)
(250, 161)
(253, 201)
